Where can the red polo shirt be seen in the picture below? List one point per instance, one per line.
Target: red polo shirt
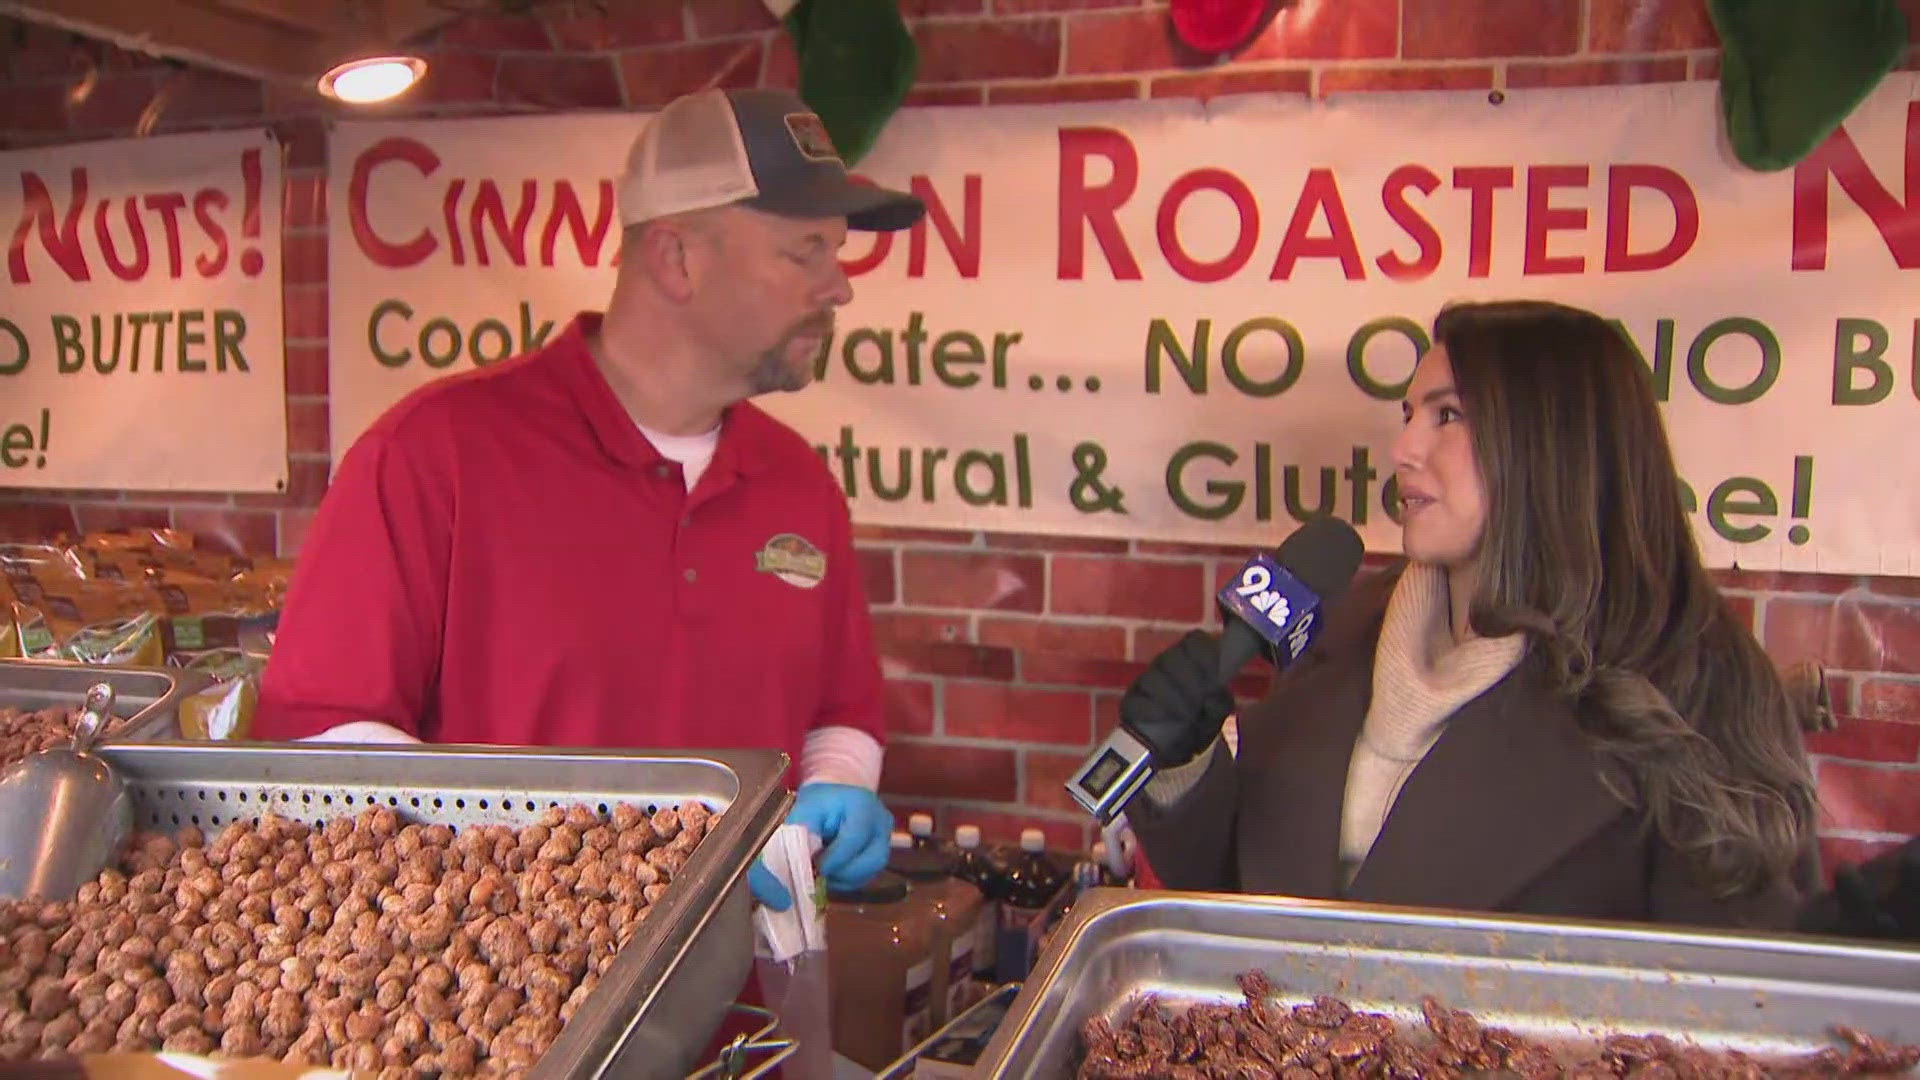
(503, 558)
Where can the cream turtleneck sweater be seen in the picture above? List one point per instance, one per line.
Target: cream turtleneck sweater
(1421, 677)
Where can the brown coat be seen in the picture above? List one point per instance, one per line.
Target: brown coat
(1507, 813)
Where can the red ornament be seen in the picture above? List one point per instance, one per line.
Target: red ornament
(1215, 26)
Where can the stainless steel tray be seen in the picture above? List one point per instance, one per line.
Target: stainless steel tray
(147, 698)
(981, 1016)
(660, 1002)
(1763, 994)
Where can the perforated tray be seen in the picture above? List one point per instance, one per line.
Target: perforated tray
(667, 990)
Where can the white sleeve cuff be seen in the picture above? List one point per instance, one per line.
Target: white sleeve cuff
(841, 755)
(361, 731)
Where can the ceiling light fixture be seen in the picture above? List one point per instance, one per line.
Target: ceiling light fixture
(372, 79)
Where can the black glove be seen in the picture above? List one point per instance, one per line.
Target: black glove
(1176, 706)
(1879, 898)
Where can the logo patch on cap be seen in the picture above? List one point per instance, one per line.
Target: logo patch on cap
(810, 135)
(793, 559)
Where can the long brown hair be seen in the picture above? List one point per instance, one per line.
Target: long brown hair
(1587, 549)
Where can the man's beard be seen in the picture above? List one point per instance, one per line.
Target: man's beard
(773, 371)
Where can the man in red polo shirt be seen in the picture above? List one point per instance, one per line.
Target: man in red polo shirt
(603, 543)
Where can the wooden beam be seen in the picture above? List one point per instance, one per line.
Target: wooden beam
(320, 19)
(183, 32)
(406, 20)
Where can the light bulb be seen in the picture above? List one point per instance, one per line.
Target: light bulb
(373, 78)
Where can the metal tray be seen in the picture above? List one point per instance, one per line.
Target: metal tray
(982, 1016)
(664, 996)
(1764, 994)
(148, 699)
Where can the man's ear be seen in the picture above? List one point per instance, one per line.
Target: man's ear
(662, 252)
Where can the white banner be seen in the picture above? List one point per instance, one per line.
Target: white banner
(1187, 322)
(140, 333)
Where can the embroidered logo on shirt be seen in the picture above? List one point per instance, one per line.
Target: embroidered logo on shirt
(793, 559)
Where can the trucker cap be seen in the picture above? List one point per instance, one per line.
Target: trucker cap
(762, 148)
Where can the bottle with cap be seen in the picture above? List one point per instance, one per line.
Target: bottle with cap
(951, 909)
(920, 827)
(1034, 879)
(973, 865)
(1032, 882)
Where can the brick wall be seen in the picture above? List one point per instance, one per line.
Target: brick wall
(1004, 654)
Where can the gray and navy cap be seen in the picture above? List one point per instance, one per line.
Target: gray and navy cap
(759, 148)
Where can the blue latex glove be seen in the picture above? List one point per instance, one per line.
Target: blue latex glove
(853, 824)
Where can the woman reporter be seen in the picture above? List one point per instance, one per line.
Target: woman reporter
(1546, 709)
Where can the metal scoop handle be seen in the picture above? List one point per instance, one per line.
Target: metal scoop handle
(95, 714)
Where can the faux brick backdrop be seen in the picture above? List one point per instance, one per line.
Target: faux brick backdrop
(1005, 654)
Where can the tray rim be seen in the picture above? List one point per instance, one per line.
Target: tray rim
(145, 723)
(1098, 907)
(642, 969)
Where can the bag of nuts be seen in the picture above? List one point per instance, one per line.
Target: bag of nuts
(224, 708)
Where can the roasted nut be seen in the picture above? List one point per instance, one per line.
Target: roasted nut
(47, 998)
(128, 1037)
(310, 1048)
(666, 823)
(296, 975)
(240, 1006)
(15, 949)
(336, 873)
(623, 888)
(667, 860)
(319, 920)
(219, 959)
(572, 962)
(643, 872)
(60, 1032)
(154, 996)
(286, 1016)
(407, 841)
(241, 1040)
(600, 941)
(178, 1017)
(358, 971)
(596, 881)
(94, 1038)
(533, 836)
(384, 822)
(191, 1041)
(652, 893)
(505, 943)
(249, 848)
(502, 1008)
(625, 816)
(436, 977)
(390, 993)
(364, 1024)
(363, 1058)
(543, 1002)
(118, 1001)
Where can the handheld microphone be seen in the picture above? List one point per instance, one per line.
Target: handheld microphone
(1274, 608)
